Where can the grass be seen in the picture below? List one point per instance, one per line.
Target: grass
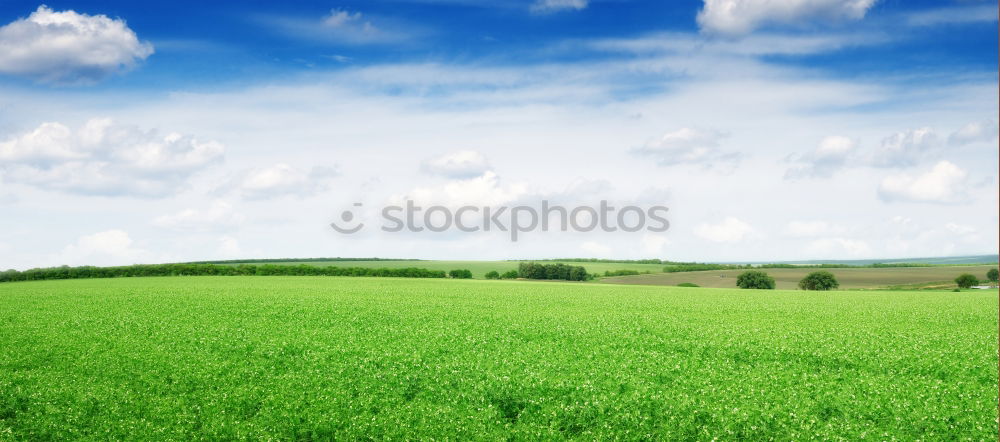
(350, 358)
(849, 278)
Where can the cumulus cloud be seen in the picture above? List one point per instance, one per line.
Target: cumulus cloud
(544, 6)
(219, 216)
(105, 158)
(350, 24)
(839, 247)
(945, 183)
(688, 146)
(735, 17)
(484, 190)
(66, 47)
(729, 230)
(283, 180)
(960, 229)
(597, 249)
(905, 148)
(831, 155)
(461, 164)
(982, 131)
(229, 247)
(111, 247)
(653, 244)
(341, 26)
(801, 229)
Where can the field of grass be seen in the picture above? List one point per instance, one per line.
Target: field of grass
(351, 358)
(478, 268)
(849, 278)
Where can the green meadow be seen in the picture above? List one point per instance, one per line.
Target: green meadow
(310, 358)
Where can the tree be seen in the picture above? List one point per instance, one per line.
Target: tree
(755, 279)
(821, 280)
(460, 274)
(510, 274)
(966, 280)
(492, 274)
(993, 275)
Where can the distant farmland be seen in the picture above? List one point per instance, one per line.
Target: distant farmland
(478, 268)
(849, 278)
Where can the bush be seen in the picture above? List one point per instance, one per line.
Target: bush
(688, 284)
(821, 280)
(966, 280)
(510, 274)
(492, 274)
(993, 275)
(460, 274)
(755, 279)
(620, 272)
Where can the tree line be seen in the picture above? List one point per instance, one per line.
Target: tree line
(294, 260)
(187, 269)
(534, 270)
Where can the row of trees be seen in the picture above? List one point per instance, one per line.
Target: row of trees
(621, 272)
(533, 270)
(213, 269)
(967, 280)
(493, 274)
(756, 279)
(698, 266)
(613, 261)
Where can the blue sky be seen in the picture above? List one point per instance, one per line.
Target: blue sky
(199, 44)
(191, 130)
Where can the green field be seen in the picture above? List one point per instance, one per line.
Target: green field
(374, 358)
(849, 278)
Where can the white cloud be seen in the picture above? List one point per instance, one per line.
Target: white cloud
(953, 15)
(543, 6)
(229, 247)
(460, 164)
(982, 131)
(485, 190)
(653, 245)
(730, 230)
(349, 23)
(943, 184)
(693, 46)
(68, 47)
(905, 148)
(282, 180)
(105, 158)
(595, 249)
(219, 216)
(688, 146)
(960, 229)
(800, 229)
(836, 247)
(342, 26)
(111, 247)
(831, 155)
(736, 17)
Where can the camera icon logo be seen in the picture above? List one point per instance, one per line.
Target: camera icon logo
(347, 217)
